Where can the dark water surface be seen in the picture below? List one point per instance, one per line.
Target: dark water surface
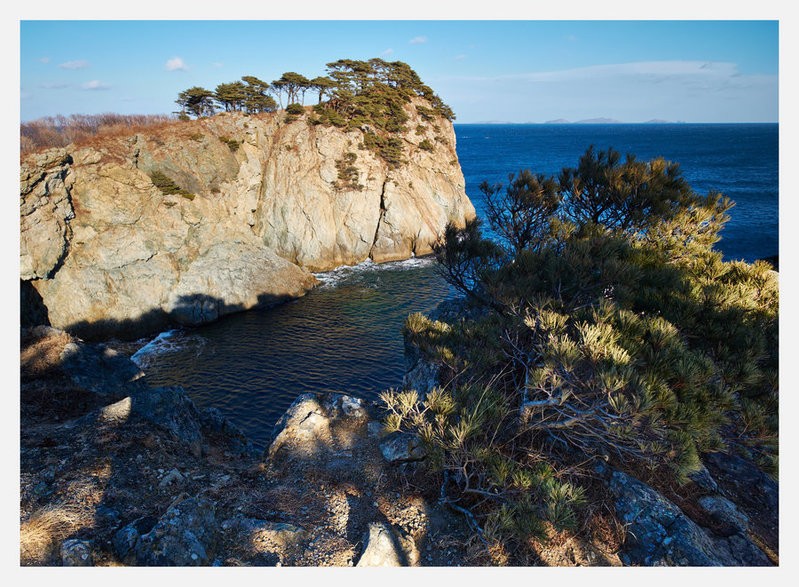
(345, 335)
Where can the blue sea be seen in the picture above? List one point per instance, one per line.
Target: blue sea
(345, 336)
(738, 160)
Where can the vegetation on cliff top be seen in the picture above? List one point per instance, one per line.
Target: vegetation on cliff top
(602, 325)
(370, 96)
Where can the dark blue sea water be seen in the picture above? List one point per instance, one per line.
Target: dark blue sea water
(738, 160)
(345, 335)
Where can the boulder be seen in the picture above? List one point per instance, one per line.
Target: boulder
(381, 547)
(170, 409)
(660, 534)
(402, 447)
(184, 536)
(319, 425)
(76, 553)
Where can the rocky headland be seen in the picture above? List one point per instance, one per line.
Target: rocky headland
(196, 219)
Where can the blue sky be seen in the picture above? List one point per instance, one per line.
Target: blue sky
(512, 70)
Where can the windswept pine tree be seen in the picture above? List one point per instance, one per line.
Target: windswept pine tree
(600, 324)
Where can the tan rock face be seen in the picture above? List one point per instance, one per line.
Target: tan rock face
(264, 204)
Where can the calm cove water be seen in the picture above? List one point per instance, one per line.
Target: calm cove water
(345, 335)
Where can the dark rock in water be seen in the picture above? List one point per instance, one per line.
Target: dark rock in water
(659, 533)
(214, 422)
(184, 536)
(170, 409)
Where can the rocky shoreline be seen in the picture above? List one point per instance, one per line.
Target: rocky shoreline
(114, 472)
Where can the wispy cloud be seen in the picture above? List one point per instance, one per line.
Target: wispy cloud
(388, 52)
(54, 86)
(418, 40)
(44, 59)
(76, 64)
(653, 70)
(175, 64)
(95, 85)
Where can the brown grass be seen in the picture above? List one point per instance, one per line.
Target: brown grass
(60, 131)
(40, 356)
(42, 533)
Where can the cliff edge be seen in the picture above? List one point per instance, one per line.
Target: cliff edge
(196, 219)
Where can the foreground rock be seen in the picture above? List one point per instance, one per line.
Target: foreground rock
(660, 534)
(109, 253)
(151, 480)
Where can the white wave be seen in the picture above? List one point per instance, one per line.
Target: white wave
(167, 342)
(335, 276)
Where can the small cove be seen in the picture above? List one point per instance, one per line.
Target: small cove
(344, 336)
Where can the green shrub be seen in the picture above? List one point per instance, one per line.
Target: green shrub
(167, 186)
(347, 173)
(232, 144)
(295, 109)
(608, 328)
(426, 145)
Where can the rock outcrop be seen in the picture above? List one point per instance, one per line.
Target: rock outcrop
(255, 204)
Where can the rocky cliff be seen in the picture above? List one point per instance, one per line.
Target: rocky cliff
(196, 219)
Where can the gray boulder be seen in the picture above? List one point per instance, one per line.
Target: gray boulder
(184, 536)
(76, 553)
(660, 534)
(400, 447)
(101, 370)
(319, 425)
(170, 409)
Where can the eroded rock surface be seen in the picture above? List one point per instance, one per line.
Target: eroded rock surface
(110, 253)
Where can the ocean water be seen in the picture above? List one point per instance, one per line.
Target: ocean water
(738, 160)
(345, 336)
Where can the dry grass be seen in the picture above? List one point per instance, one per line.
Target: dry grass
(45, 529)
(60, 131)
(40, 356)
